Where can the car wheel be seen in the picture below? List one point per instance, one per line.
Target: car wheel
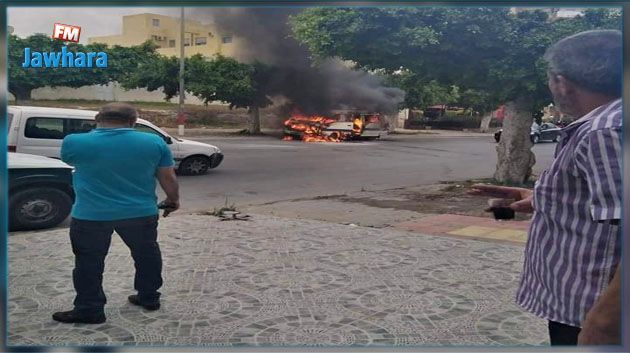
(555, 139)
(38, 208)
(535, 139)
(195, 165)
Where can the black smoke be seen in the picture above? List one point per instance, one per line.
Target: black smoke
(264, 34)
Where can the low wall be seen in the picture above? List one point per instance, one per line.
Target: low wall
(109, 92)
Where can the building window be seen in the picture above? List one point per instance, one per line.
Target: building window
(226, 39)
(171, 43)
(156, 22)
(200, 41)
(187, 42)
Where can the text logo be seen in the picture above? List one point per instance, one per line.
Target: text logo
(64, 58)
(67, 33)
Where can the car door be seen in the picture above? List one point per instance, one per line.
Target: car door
(549, 131)
(173, 146)
(42, 136)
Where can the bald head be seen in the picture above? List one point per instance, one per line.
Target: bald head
(117, 114)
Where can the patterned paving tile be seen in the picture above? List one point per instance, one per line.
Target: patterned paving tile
(479, 228)
(280, 282)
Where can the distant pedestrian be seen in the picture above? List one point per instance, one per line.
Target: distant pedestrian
(572, 271)
(114, 181)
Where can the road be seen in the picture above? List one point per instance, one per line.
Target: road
(263, 169)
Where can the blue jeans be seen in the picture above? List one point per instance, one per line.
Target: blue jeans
(90, 244)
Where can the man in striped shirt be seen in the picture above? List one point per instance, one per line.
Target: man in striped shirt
(571, 275)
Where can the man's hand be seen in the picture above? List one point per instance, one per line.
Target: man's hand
(168, 182)
(522, 196)
(168, 206)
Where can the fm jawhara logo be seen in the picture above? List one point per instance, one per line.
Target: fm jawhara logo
(64, 58)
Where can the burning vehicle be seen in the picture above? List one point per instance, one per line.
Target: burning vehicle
(343, 127)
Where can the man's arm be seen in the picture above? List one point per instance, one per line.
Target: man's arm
(168, 183)
(67, 152)
(598, 160)
(602, 324)
(523, 197)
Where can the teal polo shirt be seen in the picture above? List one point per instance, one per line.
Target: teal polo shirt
(115, 172)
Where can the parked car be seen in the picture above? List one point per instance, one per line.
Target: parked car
(40, 191)
(544, 132)
(39, 130)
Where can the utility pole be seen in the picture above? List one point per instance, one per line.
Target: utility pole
(180, 116)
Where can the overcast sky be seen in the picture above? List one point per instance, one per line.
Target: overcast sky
(94, 21)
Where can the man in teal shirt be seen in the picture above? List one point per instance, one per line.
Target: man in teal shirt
(115, 174)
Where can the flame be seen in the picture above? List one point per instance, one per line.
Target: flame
(314, 128)
(311, 128)
(357, 125)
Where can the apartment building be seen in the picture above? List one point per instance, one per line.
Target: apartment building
(200, 38)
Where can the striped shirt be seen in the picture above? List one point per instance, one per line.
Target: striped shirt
(573, 249)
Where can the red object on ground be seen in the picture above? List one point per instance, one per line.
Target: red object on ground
(181, 118)
(499, 114)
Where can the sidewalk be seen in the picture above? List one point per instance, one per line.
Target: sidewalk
(282, 282)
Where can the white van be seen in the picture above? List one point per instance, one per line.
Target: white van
(40, 131)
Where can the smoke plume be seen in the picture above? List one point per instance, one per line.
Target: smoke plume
(264, 34)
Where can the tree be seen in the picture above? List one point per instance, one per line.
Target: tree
(122, 63)
(216, 79)
(226, 79)
(488, 53)
(419, 93)
(141, 66)
(22, 81)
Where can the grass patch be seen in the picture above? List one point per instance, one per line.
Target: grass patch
(219, 212)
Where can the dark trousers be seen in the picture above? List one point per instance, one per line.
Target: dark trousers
(562, 334)
(90, 244)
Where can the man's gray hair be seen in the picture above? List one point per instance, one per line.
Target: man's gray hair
(118, 111)
(591, 59)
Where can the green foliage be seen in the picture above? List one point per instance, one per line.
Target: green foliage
(420, 94)
(225, 79)
(141, 66)
(216, 79)
(491, 54)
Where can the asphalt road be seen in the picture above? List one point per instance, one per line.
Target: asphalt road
(263, 169)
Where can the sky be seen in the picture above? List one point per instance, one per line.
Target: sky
(94, 21)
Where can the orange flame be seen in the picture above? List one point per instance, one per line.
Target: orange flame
(314, 128)
(357, 125)
(311, 128)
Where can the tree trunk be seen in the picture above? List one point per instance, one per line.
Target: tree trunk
(253, 123)
(514, 156)
(22, 94)
(485, 122)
